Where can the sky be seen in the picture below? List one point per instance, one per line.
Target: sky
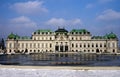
(23, 17)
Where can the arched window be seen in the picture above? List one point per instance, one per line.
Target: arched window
(96, 45)
(72, 45)
(50, 38)
(92, 45)
(72, 38)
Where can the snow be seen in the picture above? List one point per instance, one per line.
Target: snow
(20, 72)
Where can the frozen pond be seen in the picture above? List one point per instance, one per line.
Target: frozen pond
(47, 59)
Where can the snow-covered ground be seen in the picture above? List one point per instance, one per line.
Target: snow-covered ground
(26, 72)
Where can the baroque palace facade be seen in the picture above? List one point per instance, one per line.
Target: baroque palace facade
(77, 40)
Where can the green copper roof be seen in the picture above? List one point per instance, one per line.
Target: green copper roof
(107, 36)
(25, 37)
(43, 30)
(61, 30)
(111, 36)
(79, 31)
(13, 36)
(17, 37)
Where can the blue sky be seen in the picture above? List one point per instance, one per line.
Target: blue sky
(25, 16)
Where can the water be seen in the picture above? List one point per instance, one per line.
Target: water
(53, 59)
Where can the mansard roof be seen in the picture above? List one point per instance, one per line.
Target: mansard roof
(15, 36)
(80, 31)
(59, 30)
(107, 36)
(42, 31)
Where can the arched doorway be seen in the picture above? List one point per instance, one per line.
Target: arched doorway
(26, 50)
(97, 50)
(61, 48)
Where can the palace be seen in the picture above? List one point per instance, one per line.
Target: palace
(76, 40)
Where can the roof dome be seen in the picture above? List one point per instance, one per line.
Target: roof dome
(61, 30)
(112, 36)
(13, 36)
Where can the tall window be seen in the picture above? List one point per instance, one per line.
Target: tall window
(100, 45)
(92, 45)
(113, 44)
(72, 45)
(76, 45)
(50, 45)
(72, 38)
(34, 45)
(80, 45)
(10, 45)
(50, 38)
(88, 45)
(104, 44)
(96, 45)
(84, 45)
(38, 45)
(46, 45)
(42, 45)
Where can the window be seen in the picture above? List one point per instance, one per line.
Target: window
(113, 44)
(92, 45)
(108, 44)
(80, 45)
(104, 45)
(84, 45)
(34, 50)
(72, 45)
(42, 45)
(38, 45)
(72, 38)
(46, 45)
(50, 45)
(100, 45)
(50, 38)
(76, 45)
(80, 38)
(10, 45)
(88, 45)
(96, 45)
(34, 45)
(76, 38)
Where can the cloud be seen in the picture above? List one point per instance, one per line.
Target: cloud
(22, 21)
(30, 7)
(21, 25)
(109, 15)
(89, 5)
(63, 22)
